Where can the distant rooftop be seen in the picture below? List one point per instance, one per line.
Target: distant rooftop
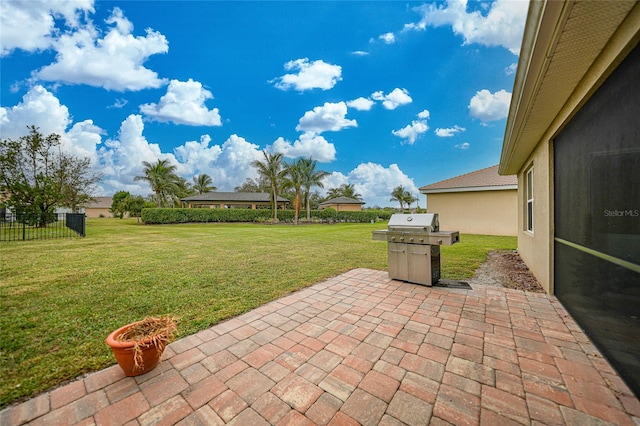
(100, 203)
(481, 180)
(234, 196)
(342, 200)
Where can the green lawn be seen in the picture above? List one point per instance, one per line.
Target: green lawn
(59, 299)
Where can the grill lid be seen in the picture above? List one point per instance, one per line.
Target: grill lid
(420, 221)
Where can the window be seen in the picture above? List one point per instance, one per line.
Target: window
(529, 186)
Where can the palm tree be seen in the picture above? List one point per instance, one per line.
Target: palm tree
(398, 194)
(310, 177)
(162, 179)
(344, 190)
(409, 199)
(294, 179)
(203, 183)
(183, 189)
(271, 170)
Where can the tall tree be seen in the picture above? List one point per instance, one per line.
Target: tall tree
(293, 179)
(203, 183)
(344, 190)
(76, 181)
(38, 177)
(183, 189)
(119, 203)
(162, 178)
(409, 199)
(398, 194)
(253, 185)
(310, 177)
(270, 169)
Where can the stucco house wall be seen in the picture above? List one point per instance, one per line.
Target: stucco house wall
(342, 204)
(476, 212)
(342, 207)
(480, 202)
(99, 208)
(546, 96)
(536, 248)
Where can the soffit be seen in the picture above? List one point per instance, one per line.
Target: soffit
(555, 68)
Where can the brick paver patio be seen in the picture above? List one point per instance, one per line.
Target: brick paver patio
(362, 349)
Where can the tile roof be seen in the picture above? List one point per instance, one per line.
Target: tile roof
(342, 200)
(485, 179)
(100, 203)
(234, 196)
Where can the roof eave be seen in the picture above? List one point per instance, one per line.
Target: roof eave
(537, 115)
(541, 33)
(470, 189)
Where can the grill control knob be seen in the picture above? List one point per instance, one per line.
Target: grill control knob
(393, 238)
(411, 239)
(401, 238)
(422, 240)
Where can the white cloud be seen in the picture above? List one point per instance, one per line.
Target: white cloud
(449, 132)
(359, 53)
(361, 104)
(329, 117)
(308, 145)
(412, 131)
(228, 164)
(84, 58)
(394, 99)
(502, 25)
(41, 108)
(233, 166)
(119, 103)
(311, 75)
(488, 106)
(373, 181)
(463, 146)
(30, 25)
(184, 103)
(511, 69)
(120, 158)
(193, 156)
(83, 140)
(38, 107)
(388, 38)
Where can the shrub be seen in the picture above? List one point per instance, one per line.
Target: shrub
(156, 216)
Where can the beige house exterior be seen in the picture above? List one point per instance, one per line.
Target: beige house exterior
(99, 208)
(342, 204)
(481, 202)
(569, 49)
(573, 139)
(237, 200)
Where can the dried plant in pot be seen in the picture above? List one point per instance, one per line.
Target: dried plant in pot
(138, 346)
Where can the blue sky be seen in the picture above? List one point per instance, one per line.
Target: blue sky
(381, 93)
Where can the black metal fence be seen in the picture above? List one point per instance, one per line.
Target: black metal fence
(22, 227)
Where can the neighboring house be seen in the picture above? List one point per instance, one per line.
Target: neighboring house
(342, 204)
(481, 202)
(236, 200)
(99, 208)
(573, 138)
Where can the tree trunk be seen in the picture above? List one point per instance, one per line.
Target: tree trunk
(275, 204)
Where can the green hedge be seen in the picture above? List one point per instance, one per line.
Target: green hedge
(154, 216)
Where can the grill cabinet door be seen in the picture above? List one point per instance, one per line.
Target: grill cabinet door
(397, 255)
(419, 264)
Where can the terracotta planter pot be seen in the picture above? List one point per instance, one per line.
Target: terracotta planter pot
(124, 353)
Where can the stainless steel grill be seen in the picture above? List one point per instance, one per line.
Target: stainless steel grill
(414, 242)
